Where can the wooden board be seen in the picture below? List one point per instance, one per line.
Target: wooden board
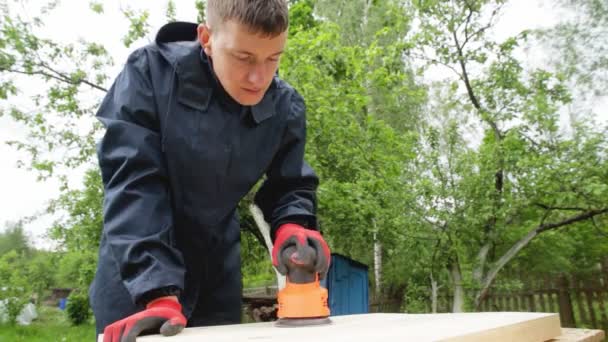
(580, 335)
(470, 327)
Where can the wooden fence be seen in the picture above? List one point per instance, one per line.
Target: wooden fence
(581, 303)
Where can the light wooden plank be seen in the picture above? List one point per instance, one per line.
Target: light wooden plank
(470, 327)
(580, 335)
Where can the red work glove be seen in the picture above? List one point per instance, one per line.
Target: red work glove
(289, 235)
(163, 314)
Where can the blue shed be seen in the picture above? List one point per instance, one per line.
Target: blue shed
(347, 286)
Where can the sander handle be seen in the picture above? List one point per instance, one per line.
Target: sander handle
(300, 263)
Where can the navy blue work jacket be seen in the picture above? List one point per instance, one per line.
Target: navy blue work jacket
(177, 156)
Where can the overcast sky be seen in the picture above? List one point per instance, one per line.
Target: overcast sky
(21, 195)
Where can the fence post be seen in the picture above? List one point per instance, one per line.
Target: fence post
(565, 304)
(599, 296)
(577, 291)
(605, 272)
(541, 299)
(589, 295)
(532, 301)
(517, 302)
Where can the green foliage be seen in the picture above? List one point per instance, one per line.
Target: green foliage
(41, 270)
(577, 48)
(25, 273)
(13, 238)
(359, 158)
(79, 232)
(96, 7)
(256, 263)
(67, 73)
(15, 291)
(525, 175)
(200, 8)
(138, 25)
(76, 268)
(170, 14)
(301, 16)
(50, 324)
(416, 299)
(78, 309)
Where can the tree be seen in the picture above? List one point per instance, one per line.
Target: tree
(78, 232)
(492, 201)
(390, 94)
(41, 273)
(577, 47)
(395, 95)
(75, 76)
(13, 238)
(358, 156)
(15, 291)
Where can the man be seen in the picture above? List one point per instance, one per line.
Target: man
(191, 126)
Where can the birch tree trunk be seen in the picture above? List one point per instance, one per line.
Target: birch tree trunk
(434, 291)
(456, 275)
(377, 265)
(264, 228)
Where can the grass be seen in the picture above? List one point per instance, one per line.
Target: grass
(51, 326)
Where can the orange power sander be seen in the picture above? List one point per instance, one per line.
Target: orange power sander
(303, 301)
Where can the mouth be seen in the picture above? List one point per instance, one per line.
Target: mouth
(252, 91)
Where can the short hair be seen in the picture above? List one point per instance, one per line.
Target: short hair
(268, 17)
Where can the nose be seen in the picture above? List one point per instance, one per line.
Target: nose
(256, 75)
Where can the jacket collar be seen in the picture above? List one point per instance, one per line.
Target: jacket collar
(197, 81)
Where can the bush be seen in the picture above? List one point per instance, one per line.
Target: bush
(78, 308)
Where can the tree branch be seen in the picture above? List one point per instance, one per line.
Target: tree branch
(432, 60)
(574, 219)
(69, 80)
(465, 74)
(536, 144)
(482, 257)
(547, 207)
(524, 241)
(466, 25)
(483, 29)
(58, 76)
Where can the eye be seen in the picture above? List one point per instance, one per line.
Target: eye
(242, 58)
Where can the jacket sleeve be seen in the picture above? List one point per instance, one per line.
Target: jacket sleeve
(137, 212)
(288, 195)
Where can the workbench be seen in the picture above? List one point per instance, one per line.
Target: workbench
(461, 327)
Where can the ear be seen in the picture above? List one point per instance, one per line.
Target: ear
(204, 38)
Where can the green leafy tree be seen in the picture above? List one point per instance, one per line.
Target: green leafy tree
(526, 178)
(577, 47)
(79, 231)
(359, 157)
(13, 238)
(15, 291)
(369, 63)
(171, 16)
(41, 272)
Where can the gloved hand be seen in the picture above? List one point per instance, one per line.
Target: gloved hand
(163, 314)
(292, 235)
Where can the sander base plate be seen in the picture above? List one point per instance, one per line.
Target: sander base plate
(302, 322)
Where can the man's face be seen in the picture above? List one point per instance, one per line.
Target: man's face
(244, 63)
